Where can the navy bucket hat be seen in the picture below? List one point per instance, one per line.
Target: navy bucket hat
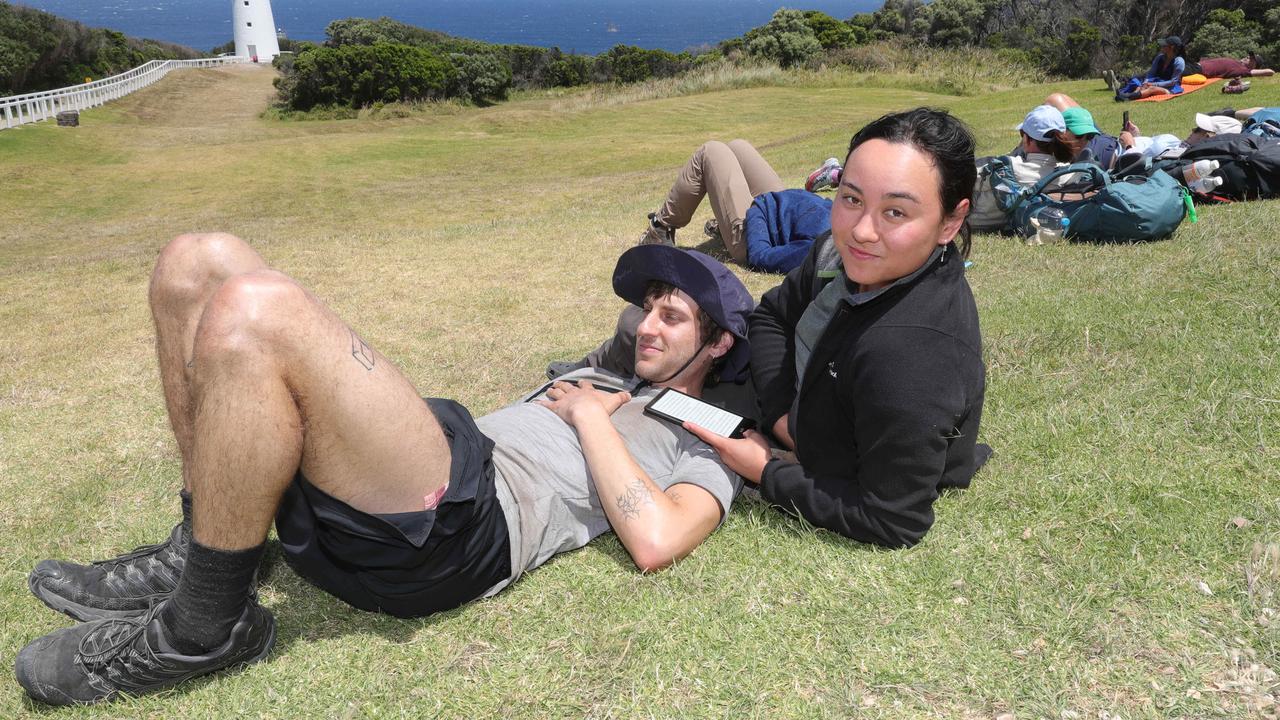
(718, 292)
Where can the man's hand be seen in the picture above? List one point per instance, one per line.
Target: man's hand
(574, 403)
(747, 456)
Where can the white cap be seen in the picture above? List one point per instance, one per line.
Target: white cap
(1218, 124)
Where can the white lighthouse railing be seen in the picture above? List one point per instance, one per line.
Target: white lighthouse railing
(18, 110)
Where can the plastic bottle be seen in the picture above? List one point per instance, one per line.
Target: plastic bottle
(1051, 226)
(1199, 170)
(1206, 185)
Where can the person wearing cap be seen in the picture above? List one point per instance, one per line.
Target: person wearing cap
(1040, 151)
(1168, 146)
(1252, 65)
(1087, 142)
(1165, 75)
(283, 413)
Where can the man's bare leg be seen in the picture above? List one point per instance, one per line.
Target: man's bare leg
(186, 275)
(277, 383)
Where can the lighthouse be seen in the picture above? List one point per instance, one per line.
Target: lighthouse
(255, 30)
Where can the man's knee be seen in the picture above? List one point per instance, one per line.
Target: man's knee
(192, 263)
(1062, 101)
(258, 312)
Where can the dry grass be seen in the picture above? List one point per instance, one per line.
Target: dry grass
(1132, 403)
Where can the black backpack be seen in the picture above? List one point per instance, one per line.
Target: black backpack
(1248, 165)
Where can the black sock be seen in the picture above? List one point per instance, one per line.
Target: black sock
(210, 597)
(185, 497)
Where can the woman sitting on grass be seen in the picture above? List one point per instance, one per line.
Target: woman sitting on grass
(1165, 75)
(874, 377)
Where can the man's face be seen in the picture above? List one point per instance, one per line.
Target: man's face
(667, 337)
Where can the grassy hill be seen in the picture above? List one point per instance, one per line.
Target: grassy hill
(1109, 562)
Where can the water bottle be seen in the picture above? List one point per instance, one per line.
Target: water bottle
(1199, 170)
(1206, 185)
(1051, 225)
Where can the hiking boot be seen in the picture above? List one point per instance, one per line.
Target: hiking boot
(1224, 112)
(825, 177)
(712, 230)
(126, 586)
(657, 234)
(1109, 77)
(99, 660)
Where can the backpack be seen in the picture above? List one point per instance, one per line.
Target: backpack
(1248, 165)
(1134, 208)
(1265, 123)
(997, 180)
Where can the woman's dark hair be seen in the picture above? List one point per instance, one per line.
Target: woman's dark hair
(1258, 60)
(946, 140)
(1055, 147)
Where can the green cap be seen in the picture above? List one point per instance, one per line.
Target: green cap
(1079, 121)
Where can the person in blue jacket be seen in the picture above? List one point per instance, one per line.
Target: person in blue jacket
(867, 359)
(1165, 75)
(763, 225)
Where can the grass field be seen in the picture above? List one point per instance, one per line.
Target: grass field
(1112, 561)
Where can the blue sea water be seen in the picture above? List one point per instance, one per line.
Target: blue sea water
(585, 26)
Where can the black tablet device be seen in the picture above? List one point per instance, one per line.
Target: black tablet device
(677, 407)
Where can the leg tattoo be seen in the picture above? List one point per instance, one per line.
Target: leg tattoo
(361, 352)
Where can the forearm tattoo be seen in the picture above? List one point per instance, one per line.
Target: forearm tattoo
(634, 498)
(361, 352)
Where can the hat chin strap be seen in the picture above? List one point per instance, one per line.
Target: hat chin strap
(685, 366)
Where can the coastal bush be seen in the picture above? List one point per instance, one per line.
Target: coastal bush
(1225, 33)
(40, 51)
(360, 75)
(786, 39)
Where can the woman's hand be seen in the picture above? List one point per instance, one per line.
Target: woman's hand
(747, 456)
(782, 431)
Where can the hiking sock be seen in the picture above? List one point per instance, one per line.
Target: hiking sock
(185, 497)
(210, 597)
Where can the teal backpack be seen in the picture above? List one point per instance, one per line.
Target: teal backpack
(1134, 208)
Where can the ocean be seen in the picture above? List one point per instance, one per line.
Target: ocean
(584, 26)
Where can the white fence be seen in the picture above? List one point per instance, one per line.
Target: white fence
(34, 107)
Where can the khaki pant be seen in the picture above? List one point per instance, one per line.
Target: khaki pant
(730, 176)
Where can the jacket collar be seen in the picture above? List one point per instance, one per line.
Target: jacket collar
(855, 298)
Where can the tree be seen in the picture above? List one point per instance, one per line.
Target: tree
(830, 32)
(786, 39)
(1226, 33)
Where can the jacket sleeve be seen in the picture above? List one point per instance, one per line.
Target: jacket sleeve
(906, 399)
(772, 335)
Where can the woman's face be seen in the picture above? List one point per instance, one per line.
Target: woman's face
(888, 216)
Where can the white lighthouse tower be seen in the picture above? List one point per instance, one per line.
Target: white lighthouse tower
(254, 30)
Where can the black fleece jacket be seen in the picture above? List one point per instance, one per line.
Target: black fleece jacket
(888, 412)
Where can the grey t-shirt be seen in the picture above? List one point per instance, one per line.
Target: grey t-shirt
(546, 490)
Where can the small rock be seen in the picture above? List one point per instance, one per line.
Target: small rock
(1203, 587)
(1239, 523)
(1026, 534)
(1005, 716)
(958, 583)
(960, 600)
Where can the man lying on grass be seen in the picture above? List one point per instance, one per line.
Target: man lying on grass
(281, 412)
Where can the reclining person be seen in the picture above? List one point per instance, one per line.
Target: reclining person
(762, 224)
(281, 412)
(1250, 66)
(1087, 142)
(1040, 152)
(1168, 146)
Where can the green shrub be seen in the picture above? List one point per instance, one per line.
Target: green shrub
(482, 77)
(1226, 33)
(360, 75)
(786, 39)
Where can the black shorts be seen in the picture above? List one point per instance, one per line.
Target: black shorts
(406, 564)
